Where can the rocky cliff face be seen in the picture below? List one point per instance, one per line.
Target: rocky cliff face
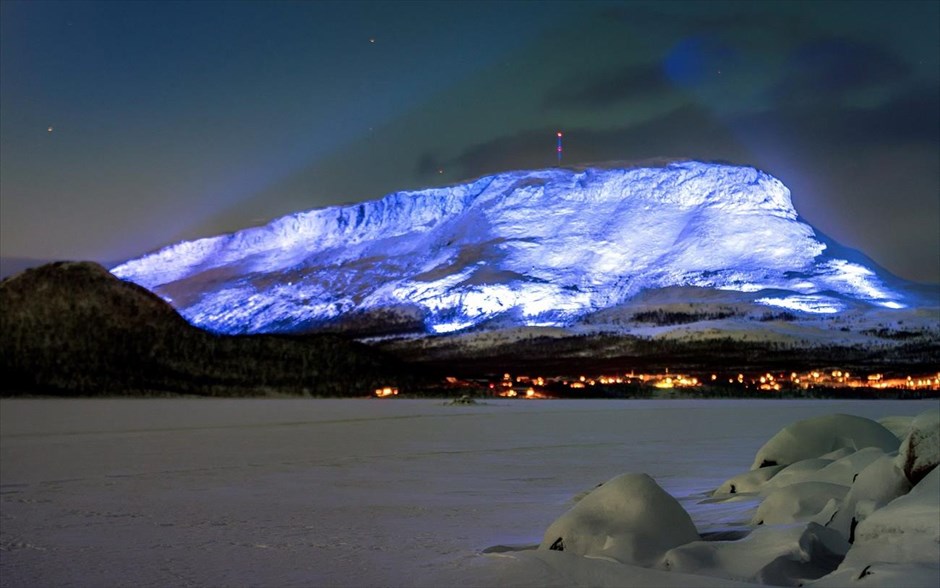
(543, 247)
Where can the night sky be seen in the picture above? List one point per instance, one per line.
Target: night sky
(172, 121)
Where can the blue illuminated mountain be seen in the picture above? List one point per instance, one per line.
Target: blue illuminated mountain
(543, 247)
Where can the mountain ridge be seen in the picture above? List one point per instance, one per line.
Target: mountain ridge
(541, 248)
(74, 328)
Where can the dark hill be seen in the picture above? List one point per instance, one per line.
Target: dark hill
(74, 328)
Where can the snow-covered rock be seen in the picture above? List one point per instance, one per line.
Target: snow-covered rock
(748, 482)
(843, 471)
(817, 436)
(920, 450)
(801, 471)
(841, 452)
(797, 502)
(878, 484)
(898, 544)
(907, 528)
(900, 425)
(842, 514)
(783, 556)
(838, 467)
(542, 247)
(629, 519)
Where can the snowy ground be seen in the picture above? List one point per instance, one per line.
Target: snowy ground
(352, 492)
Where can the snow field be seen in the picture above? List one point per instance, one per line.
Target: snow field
(293, 492)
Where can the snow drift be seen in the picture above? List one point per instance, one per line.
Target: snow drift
(543, 247)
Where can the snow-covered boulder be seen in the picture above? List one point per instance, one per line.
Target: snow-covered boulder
(843, 471)
(838, 453)
(748, 482)
(817, 436)
(837, 467)
(920, 450)
(878, 484)
(797, 502)
(898, 544)
(629, 519)
(908, 528)
(783, 556)
(899, 425)
(801, 471)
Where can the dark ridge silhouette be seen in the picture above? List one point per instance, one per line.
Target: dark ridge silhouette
(73, 328)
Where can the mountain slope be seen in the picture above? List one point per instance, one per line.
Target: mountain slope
(544, 247)
(72, 327)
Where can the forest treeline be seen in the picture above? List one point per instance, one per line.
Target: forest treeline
(72, 328)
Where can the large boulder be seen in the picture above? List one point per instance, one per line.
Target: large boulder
(836, 467)
(920, 450)
(877, 485)
(629, 519)
(800, 471)
(899, 425)
(897, 545)
(839, 453)
(817, 436)
(797, 502)
(908, 528)
(844, 471)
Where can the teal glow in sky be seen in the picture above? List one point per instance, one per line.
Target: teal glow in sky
(179, 120)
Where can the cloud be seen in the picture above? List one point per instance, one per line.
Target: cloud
(910, 115)
(629, 83)
(677, 16)
(693, 131)
(832, 69)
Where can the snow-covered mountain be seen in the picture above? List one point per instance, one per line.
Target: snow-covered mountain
(543, 247)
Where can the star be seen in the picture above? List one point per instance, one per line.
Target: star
(50, 129)
(372, 40)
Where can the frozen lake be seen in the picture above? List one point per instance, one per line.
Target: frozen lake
(285, 492)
